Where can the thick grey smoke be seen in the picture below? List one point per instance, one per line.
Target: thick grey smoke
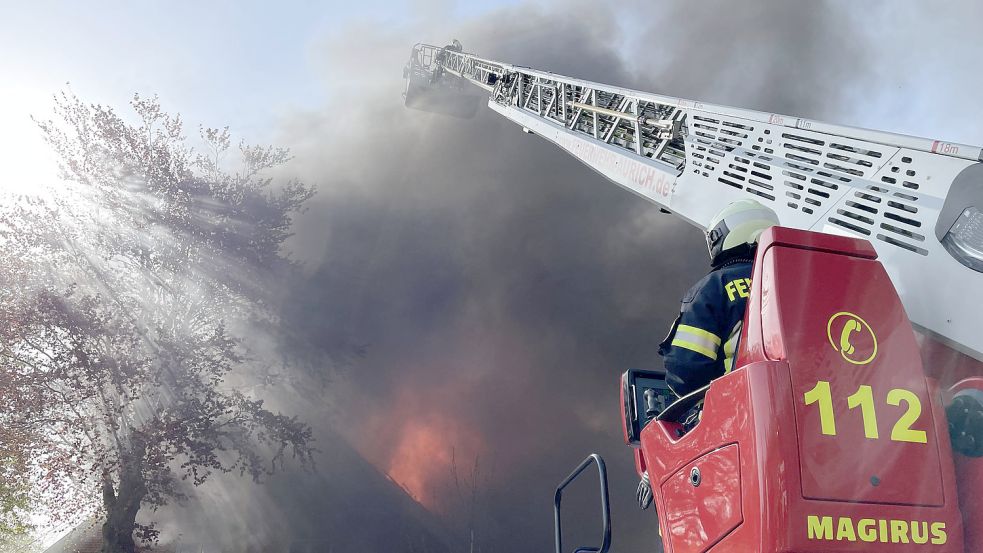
(493, 287)
(498, 286)
(901, 66)
(801, 58)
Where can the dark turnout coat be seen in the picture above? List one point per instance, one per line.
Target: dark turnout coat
(702, 342)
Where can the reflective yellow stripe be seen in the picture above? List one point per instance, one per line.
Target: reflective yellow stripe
(695, 347)
(730, 347)
(699, 332)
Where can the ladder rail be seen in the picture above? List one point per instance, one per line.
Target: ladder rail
(456, 61)
(693, 158)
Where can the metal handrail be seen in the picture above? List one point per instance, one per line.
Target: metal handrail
(602, 474)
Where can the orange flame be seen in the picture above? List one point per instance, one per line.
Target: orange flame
(427, 452)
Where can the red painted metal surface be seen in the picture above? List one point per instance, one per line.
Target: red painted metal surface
(622, 400)
(700, 513)
(640, 467)
(804, 491)
(852, 299)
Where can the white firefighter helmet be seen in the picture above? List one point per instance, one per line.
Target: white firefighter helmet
(740, 223)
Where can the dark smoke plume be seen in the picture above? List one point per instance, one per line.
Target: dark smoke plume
(498, 286)
(492, 287)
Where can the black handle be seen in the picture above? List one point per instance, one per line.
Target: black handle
(602, 474)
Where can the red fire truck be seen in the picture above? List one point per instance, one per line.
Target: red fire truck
(830, 436)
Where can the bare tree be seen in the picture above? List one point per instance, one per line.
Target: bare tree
(466, 503)
(124, 320)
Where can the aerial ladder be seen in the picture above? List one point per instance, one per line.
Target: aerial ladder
(853, 420)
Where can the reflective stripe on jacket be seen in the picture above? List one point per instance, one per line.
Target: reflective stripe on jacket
(702, 342)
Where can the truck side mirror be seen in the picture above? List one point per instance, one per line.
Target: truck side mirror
(602, 474)
(644, 394)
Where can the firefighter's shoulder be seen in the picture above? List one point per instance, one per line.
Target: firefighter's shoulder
(710, 283)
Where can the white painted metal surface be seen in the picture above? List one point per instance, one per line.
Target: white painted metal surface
(693, 159)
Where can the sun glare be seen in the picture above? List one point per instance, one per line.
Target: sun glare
(28, 165)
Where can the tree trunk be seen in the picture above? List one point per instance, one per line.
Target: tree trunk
(123, 503)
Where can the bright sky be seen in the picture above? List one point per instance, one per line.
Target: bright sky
(239, 63)
(247, 63)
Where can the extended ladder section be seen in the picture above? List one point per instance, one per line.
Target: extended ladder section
(918, 201)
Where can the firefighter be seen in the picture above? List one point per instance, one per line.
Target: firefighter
(702, 342)
(703, 339)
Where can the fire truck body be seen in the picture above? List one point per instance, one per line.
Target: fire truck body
(809, 446)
